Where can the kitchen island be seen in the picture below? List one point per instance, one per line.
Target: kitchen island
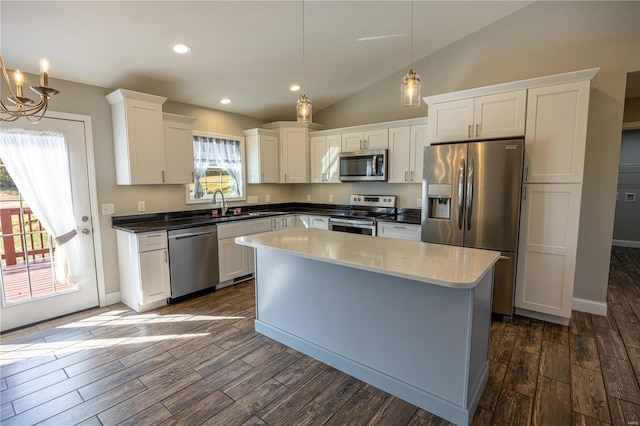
(408, 317)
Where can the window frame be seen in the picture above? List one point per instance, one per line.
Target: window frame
(208, 200)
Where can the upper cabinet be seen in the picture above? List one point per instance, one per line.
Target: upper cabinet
(324, 158)
(367, 139)
(406, 148)
(262, 156)
(556, 133)
(143, 153)
(293, 154)
(484, 117)
(178, 148)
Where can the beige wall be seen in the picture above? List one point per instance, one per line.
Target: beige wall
(543, 38)
(89, 100)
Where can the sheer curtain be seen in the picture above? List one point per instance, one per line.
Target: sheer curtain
(38, 163)
(219, 153)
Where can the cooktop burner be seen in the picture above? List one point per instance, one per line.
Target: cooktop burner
(369, 207)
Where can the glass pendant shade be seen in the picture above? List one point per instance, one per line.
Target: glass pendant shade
(410, 90)
(303, 109)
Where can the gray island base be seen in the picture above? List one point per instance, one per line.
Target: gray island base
(407, 317)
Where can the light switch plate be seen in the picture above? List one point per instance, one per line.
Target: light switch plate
(252, 199)
(141, 206)
(308, 197)
(108, 209)
(268, 198)
(331, 198)
(419, 202)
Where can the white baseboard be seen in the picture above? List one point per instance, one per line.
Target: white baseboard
(626, 243)
(540, 316)
(589, 306)
(113, 298)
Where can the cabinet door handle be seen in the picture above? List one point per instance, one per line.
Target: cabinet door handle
(477, 129)
(163, 176)
(526, 173)
(405, 176)
(412, 175)
(166, 256)
(285, 177)
(469, 131)
(193, 177)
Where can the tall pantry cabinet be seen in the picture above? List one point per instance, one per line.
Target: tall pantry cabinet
(555, 141)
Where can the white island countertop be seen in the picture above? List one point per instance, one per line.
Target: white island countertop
(448, 266)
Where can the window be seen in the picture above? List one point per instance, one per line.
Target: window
(218, 163)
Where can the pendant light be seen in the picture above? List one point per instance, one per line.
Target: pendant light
(410, 87)
(303, 106)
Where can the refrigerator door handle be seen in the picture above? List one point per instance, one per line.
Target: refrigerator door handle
(460, 194)
(470, 193)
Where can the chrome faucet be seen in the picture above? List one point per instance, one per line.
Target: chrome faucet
(224, 203)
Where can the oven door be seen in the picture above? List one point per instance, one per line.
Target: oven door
(361, 227)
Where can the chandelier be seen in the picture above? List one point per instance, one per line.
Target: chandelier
(410, 87)
(23, 106)
(303, 106)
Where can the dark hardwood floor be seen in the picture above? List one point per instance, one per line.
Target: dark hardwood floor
(200, 362)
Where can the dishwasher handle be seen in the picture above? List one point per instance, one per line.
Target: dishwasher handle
(191, 235)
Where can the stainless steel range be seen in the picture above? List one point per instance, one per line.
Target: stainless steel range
(362, 214)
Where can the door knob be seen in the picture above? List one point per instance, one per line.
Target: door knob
(85, 231)
(85, 218)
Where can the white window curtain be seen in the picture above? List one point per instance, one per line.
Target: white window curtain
(38, 163)
(215, 152)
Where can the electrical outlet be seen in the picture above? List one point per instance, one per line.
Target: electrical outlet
(308, 197)
(331, 198)
(141, 206)
(268, 198)
(419, 202)
(108, 209)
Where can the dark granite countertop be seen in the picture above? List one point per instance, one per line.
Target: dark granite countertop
(192, 218)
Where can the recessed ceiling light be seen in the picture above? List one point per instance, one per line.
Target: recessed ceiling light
(295, 88)
(181, 48)
(225, 101)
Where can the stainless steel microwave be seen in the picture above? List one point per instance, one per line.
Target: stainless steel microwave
(360, 166)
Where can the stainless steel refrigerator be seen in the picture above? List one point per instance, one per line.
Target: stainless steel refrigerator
(471, 198)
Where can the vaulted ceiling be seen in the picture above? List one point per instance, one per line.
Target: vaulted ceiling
(249, 51)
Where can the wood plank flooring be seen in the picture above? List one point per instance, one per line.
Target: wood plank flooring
(200, 362)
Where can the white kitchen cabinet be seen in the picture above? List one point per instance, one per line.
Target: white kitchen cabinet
(312, 222)
(137, 137)
(293, 154)
(283, 222)
(547, 248)
(402, 231)
(236, 261)
(144, 269)
(484, 117)
(178, 148)
(556, 133)
(367, 139)
(406, 149)
(325, 158)
(263, 156)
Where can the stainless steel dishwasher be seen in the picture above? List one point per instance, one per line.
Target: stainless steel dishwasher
(193, 259)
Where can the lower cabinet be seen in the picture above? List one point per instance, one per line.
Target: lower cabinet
(312, 222)
(235, 261)
(547, 249)
(283, 222)
(402, 231)
(144, 269)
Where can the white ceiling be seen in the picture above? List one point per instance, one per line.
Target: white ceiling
(250, 51)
